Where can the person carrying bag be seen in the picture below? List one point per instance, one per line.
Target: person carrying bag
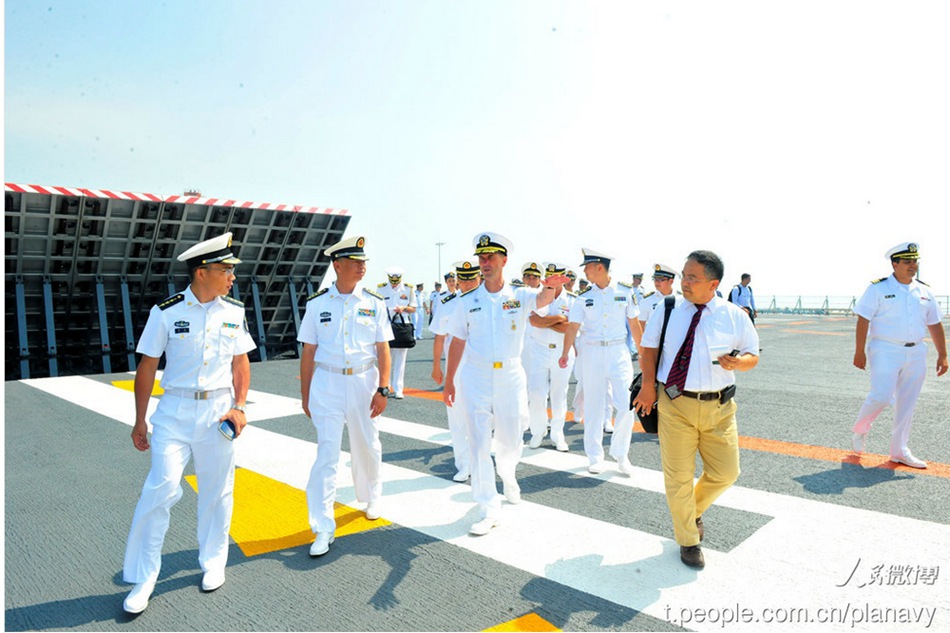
(650, 420)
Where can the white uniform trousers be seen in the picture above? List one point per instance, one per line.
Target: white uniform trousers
(398, 375)
(897, 376)
(182, 428)
(417, 323)
(337, 400)
(608, 373)
(544, 378)
(458, 428)
(527, 364)
(499, 397)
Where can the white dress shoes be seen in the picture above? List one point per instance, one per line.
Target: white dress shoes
(137, 599)
(461, 476)
(322, 544)
(535, 441)
(561, 445)
(596, 468)
(213, 579)
(858, 442)
(909, 460)
(625, 466)
(512, 491)
(372, 511)
(483, 527)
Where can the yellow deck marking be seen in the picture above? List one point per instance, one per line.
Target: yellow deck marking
(129, 385)
(529, 622)
(269, 515)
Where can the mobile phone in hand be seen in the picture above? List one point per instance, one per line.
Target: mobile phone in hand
(227, 430)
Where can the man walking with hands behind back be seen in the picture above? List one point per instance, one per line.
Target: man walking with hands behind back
(707, 340)
(897, 311)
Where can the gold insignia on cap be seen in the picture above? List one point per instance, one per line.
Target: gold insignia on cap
(534, 266)
(360, 242)
(551, 268)
(657, 267)
(229, 241)
(466, 265)
(484, 240)
(910, 247)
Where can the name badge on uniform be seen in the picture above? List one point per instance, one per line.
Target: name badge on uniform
(588, 303)
(181, 327)
(366, 312)
(325, 317)
(475, 309)
(889, 296)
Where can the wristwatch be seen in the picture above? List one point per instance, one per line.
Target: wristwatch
(383, 391)
(239, 407)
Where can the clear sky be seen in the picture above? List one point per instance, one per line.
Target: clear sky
(799, 140)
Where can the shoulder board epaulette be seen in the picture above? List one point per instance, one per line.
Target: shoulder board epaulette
(317, 294)
(624, 284)
(448, 298)
(381, 285)
(370, 292)
(877, 281)
(571, 294)
(648, 294)
(585, 290)
(470, 291)
(170, 301)
(923, 283)
(231, 299)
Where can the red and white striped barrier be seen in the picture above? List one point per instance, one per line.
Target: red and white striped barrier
(152, 197)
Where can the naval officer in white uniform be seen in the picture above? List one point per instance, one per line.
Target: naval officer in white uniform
(468, 277)
(203, 334)
(545, 339)
(488, 325)
(401, 304)
(344, 379)
(897, 312)
(604, 309)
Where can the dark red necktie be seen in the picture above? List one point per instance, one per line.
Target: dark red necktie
(680, 366)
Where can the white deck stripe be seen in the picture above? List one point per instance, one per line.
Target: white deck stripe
(793, 562)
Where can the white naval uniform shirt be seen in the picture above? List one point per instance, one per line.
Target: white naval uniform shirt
(345, 328)
(493, 325)
(199, 340)
(546, 336)
(401, 295)
(898, 313)
(722, 328)
(604, 312)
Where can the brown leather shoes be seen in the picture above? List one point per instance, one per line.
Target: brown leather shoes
(699, 525)
(692, 556)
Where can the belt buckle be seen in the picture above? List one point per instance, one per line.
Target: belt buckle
(497, 365)
(552, 346)
(348, 371)
(201, 395)
(909, 344)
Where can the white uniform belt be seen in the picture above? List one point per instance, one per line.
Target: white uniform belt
(477, 361)
(895, 341)
(346, 371)
(616, 341)
(198, 395)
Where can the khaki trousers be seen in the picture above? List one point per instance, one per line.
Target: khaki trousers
(687, 425)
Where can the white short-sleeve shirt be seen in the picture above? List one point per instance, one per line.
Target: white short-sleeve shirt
(345, 328)
(898, 312)
(603, 312)
(199, 340)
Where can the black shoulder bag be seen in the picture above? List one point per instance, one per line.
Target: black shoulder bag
(651, 420)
